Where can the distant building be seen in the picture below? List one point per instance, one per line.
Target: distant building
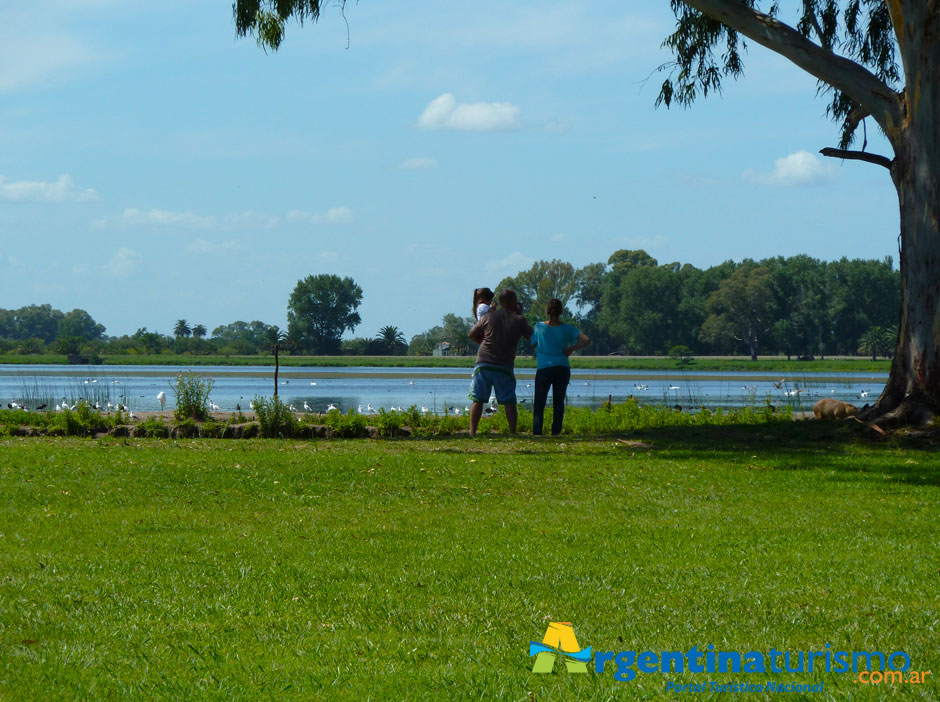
(442, 349)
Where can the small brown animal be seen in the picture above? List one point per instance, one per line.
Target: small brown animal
(829, 408)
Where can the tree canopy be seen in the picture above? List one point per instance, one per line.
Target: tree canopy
(319, 310)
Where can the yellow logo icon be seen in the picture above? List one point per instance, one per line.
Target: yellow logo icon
(559, 639)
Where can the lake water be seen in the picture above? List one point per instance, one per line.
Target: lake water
(431, 388)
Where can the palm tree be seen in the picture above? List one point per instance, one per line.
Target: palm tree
(391, 338)
(877, 341)
(181, 329)
(199, 331)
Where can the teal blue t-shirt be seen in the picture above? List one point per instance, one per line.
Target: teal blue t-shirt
(550, 344)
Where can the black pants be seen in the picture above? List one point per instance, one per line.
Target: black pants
(556, 377)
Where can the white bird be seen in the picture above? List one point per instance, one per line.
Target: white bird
(110, 406)
(95, 380)
(457, 411)
(161, 398)
(360, 409)
(251, 404)
(369, 408)
(331, 407)
(86, 382)
(863, 393)
(58, 408)
(424, 410)
(411, 382)
(313, 383)
(132, 415)
(673, 387)
(292, 408)
(307, 407)
(284, 382)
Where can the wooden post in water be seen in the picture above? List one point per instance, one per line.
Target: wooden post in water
(276, 366)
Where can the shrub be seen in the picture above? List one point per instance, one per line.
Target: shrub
(274, 418)
(389, 423)
(192, 396)
(153, 428)
(347, 426)
(211, 429)
(187, 428)
(89, 418)
(67, 422)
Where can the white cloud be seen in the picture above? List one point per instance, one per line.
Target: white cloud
(513, 263)
(124, 263)
(62, 190)
(410, 164)
(335, 215)
(799, 168)
(445, 112)
(133, 217)
(204, 247)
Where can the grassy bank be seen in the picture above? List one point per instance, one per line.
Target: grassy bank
(421, 569)
(702, 363)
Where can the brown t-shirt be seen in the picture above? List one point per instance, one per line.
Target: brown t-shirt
(501, 331)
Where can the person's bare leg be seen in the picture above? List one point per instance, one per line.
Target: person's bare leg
(512, 415)
(476, 411)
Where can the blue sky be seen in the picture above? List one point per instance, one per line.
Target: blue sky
(153, 167)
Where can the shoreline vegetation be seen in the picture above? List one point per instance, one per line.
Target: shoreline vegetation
(273, 420)
(698, 363)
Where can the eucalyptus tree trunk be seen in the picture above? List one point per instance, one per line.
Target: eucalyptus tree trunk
(911, 121)
(913, 389)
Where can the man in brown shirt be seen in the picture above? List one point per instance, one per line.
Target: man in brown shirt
(498, 333)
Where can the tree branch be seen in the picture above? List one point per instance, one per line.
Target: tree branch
(819, 32)
(841, 73)
(858, 156)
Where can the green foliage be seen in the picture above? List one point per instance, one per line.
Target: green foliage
(152, 428)
(274, 418)
(192, 396)
(389, 423)
(347, 426)
(187, 428)
(391, 341)
(319, 310)
(741, 308)
(210, 429)
(681, 353)
(542, 282)
(877, 341)
(706, 50)
(181, 328)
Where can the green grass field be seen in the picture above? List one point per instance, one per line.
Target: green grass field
(421, 569)
(701, 363)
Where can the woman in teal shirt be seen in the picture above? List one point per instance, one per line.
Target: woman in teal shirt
(554, 341)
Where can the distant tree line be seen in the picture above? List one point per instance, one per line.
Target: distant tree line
(798, 306)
